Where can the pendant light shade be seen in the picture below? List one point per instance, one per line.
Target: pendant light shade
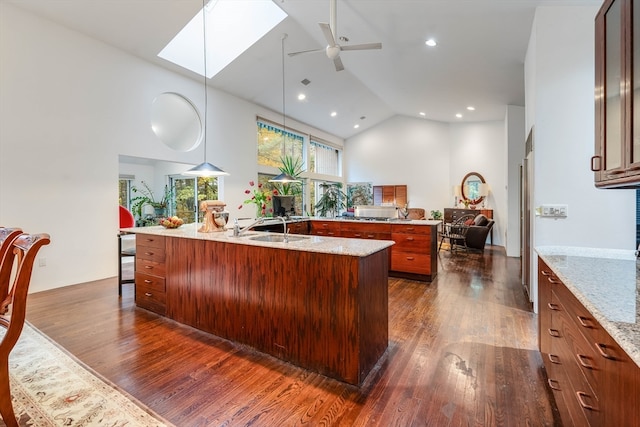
(205, 169)
(284, 178)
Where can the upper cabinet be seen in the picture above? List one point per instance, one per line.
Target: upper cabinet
(390, 195)
(616, 162)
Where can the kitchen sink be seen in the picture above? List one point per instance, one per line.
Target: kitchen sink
(277, 238)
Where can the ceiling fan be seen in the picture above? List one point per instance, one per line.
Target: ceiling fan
(333, 49)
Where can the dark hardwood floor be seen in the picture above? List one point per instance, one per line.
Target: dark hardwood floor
(462, 352)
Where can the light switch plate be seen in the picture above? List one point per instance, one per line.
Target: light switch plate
(553, 211)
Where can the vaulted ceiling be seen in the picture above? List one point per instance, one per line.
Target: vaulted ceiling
(479, 59)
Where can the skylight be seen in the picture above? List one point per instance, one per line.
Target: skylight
(232, 26)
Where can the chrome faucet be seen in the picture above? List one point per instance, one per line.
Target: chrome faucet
(237, 231)
(284, 224)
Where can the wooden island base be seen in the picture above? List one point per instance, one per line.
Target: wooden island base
(321, 311)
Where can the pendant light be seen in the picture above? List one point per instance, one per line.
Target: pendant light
(283, 178)
(205, 168)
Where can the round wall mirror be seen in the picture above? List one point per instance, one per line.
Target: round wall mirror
(175, 120)
(471, 189)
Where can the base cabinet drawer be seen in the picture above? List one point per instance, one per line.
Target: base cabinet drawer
(410, 263)
(151, 293)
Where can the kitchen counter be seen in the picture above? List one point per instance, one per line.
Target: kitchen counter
(327, 245)
(606, 282)
(320, 303)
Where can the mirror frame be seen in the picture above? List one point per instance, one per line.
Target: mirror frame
(462, 188)
(176, 122)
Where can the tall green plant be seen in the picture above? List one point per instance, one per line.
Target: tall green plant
(292, 167)
(145, 197)
(332, 200)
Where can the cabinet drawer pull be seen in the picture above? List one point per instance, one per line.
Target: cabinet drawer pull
(551, 383)
(358, 235)
(410, 228)
(410, 239)
(410, 258)
(581, 395)
(584, 361)
(554, 333)
(148, 281)
(545, 272)
(554, 307)
(148, 267)
(147, 294)
(602, 349)
(149, 253)
(554, 359)
(149, 240)
(595, 168)
(371, 236)
(582, 319)
(552, 280)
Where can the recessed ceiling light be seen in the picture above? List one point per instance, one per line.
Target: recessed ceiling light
(356, 126)
(458, 115)
(430, 43)
(471, 108)
(302, 97)
(333, 114)
(422, 113)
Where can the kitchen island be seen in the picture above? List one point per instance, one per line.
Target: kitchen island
(318, 302)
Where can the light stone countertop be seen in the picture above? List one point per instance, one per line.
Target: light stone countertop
(320, 244)
(606, 282)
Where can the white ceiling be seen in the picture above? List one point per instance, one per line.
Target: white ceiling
(478, 61)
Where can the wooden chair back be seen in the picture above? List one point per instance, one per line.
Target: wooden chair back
(7, 236)
(22, 251)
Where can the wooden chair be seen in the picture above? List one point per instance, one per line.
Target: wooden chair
(456, 232)
(22, 252)
(126, 221)
(7, 236)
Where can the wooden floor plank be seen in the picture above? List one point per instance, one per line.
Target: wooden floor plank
(462, 351)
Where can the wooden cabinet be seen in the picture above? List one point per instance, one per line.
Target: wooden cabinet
(393, 194)
(414, 254)
(364, 230)
(616, 162)
(413, 249)
(325, 228)
(451, 214)
(150, 273)
(592, 379)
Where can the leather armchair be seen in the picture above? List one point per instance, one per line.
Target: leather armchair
(477, 233)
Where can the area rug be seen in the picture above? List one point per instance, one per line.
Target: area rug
(50, 387)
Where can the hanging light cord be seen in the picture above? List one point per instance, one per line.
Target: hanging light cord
(204, 56)
(284, 126)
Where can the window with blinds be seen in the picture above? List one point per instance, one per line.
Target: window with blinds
(324, 159)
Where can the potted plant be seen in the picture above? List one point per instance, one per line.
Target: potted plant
(145, 197)
(332, 200)
(436, 215)
(292, 167)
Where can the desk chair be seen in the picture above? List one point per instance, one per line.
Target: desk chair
(126, 221)
(22, 252)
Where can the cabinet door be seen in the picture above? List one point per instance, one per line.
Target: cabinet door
(400, 195)
(544, 308)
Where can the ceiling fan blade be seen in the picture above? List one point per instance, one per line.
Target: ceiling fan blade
(301, 52)
(338, 63)
(328, 35)
(365, 46)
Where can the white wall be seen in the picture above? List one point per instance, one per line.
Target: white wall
(404, 150)
(431, 157)
(560, 103)
(513, 157)
(70, 106)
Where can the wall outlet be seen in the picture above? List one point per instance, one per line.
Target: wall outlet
(553, 211)
(42, 262)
